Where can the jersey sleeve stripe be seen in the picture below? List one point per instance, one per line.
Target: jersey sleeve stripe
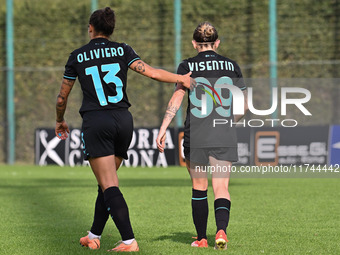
(70, 78)
(133, 60)
(243, 88)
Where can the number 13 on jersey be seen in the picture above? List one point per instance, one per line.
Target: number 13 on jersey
(110, 77)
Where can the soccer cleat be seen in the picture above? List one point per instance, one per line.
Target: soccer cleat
(203, 243)
(221, 240)
(93, 244)
(122, 247)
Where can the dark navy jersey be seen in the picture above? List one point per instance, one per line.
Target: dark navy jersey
(101, 67)
(211, 101)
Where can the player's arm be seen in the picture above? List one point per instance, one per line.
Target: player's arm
(173, 106)
(61, 129)
(141, 67)
(245, 96)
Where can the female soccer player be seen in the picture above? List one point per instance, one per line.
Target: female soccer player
(101, 67)
(206, 140)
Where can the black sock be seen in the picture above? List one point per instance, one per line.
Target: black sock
(199, 204)
(119, 211)
(222, 211)
(100, 214)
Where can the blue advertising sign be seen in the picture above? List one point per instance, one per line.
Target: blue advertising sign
(334, 145)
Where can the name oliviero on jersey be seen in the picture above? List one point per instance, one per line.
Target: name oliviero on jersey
(100, 53)
(211, 65)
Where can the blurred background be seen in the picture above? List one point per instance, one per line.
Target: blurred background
(45, 32)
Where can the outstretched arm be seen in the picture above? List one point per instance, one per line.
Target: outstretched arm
(61, 127)
(173, 106)
(239, 117)
(141, 67)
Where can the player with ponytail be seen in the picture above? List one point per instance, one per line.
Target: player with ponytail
(101, 67)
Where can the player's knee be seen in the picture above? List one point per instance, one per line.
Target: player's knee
(200, 183)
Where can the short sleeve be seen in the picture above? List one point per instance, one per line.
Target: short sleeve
(130, 54)
(183, 68)
(70, 70)
(239, 81)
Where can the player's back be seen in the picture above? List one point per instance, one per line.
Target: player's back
(211, 100)
(210, 65)
(101, 67)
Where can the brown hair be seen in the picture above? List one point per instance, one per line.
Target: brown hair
(103, 21)
(205, 32)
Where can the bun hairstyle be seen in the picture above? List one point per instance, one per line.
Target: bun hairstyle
(205, 33)
(103, 21)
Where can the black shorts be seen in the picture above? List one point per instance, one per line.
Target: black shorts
(107, 132)
(201, 155)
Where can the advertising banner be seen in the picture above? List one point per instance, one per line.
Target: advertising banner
(244, 145)
(256, 146)
(334, 145)
(143, 149)
(298, 145)
(50, 150)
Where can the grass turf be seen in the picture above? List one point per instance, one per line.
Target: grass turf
(45, 210)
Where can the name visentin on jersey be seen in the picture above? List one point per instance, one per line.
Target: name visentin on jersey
(211, 65)
(100, 53)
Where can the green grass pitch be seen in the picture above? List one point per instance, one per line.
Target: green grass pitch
(45, 210)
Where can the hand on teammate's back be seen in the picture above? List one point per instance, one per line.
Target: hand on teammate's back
(188, 82)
